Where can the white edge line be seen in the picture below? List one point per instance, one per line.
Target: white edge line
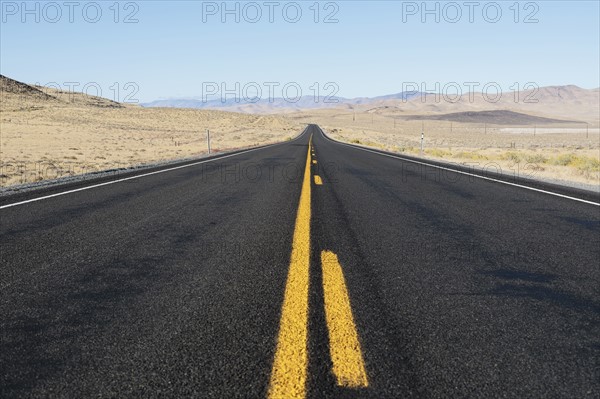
(142, 175)
(463, 173)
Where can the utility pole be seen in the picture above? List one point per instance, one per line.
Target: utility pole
(485, 128)
(208, 140)
(534, 129)
(450, 127)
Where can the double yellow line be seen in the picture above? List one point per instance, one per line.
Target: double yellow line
(288, 377)
(290, 366)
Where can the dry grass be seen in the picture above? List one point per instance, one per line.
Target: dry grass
(42, 140)
(47, 134)
(563, 152)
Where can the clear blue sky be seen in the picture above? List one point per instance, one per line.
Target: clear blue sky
(370, 51)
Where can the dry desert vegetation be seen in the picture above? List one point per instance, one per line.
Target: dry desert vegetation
(555, 139)
(46, 133)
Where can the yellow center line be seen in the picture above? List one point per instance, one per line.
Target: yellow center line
(344, 347)
(290, 366)
(318, 180)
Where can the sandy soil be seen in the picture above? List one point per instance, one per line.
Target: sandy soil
(43, 139)
(46, 134)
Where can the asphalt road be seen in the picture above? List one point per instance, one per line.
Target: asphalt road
(174, 284)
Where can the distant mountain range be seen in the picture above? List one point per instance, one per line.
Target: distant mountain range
(566, 102)
(275, 104)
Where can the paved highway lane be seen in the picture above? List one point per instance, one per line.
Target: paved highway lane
(303, 269)
(169, 284)
(460, 287)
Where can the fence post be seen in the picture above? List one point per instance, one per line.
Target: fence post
(208, 140)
